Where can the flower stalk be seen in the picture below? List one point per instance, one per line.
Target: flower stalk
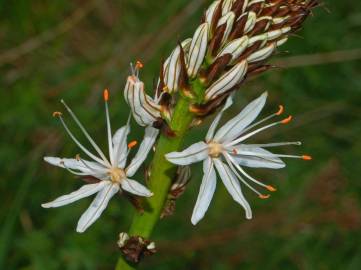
(162, 174)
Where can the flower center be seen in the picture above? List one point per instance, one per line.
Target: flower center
(117, 175)
(215, 149)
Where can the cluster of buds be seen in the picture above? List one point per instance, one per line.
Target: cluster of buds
(233, 42)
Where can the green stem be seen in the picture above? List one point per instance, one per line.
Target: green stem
(162, 173)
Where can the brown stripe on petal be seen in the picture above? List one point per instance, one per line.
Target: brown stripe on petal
(218, 66)
(238, 27)
(237, 7)
(217, 15)
(183, 77)
(216, 41)
(261, 26)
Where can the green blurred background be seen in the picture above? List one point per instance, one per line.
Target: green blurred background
(74, 49)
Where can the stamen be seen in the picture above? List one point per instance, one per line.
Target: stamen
(271, 188)
(274, 144)
(281, 110)
(254, 154)
(132, 144)
(57, 114)
(263, 197)
(287, 120)
(109, 129)
(139, 65)
(106, 95)
(240, 177)
(246, 174)
(96, 147)
(244, 137)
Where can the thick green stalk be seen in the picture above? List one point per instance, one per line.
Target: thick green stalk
(162, 173)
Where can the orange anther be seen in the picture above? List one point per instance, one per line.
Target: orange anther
(234, 151)
(306, 157)
(263, 197)
(56, 114)
(132, 144)
(106, 95)
(281, 110)
(139, 65)
(77, 157)
(270, 188)
(287, 120)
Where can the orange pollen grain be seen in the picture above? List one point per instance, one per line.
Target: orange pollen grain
(56, 114)
(270, 188)
(132, 144)
(306, 157)
(106, 95)
(139, 64)
(287, 120)
(263, 197)
(281, 110)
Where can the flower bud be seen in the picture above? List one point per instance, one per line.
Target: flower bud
(226, 82)
(198, 49)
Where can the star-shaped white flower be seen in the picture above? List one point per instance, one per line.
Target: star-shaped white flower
(224, 151)
(112, 174)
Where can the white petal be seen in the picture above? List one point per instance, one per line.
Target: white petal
(97, 207)
(262, 54)
(216, 120)
(227, 19)
(236, 47)
(230, 79)
(234, 127)
(135, 188)
(198, 49)
(194, 153)
(120, 145)
(206, 191)
(171, 75)
(74, 164)
(251, 22)
(149, 138)
(84, 191)
(211, 11)
(232, 185)
(254, 161)
(227, 6)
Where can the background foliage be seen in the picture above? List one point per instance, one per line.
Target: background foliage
(73, 49)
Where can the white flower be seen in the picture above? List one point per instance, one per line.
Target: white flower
(112, 174)
(224, 151)
(145, 109)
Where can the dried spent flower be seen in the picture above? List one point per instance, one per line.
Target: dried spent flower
(134, 248)
(111, 174)
(226, 152)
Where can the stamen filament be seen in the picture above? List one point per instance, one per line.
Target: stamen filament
(86, 151)
(249, 153)
(96, 147)
(244, 137)
(240, 177)
(274, 144)
(109, 129)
